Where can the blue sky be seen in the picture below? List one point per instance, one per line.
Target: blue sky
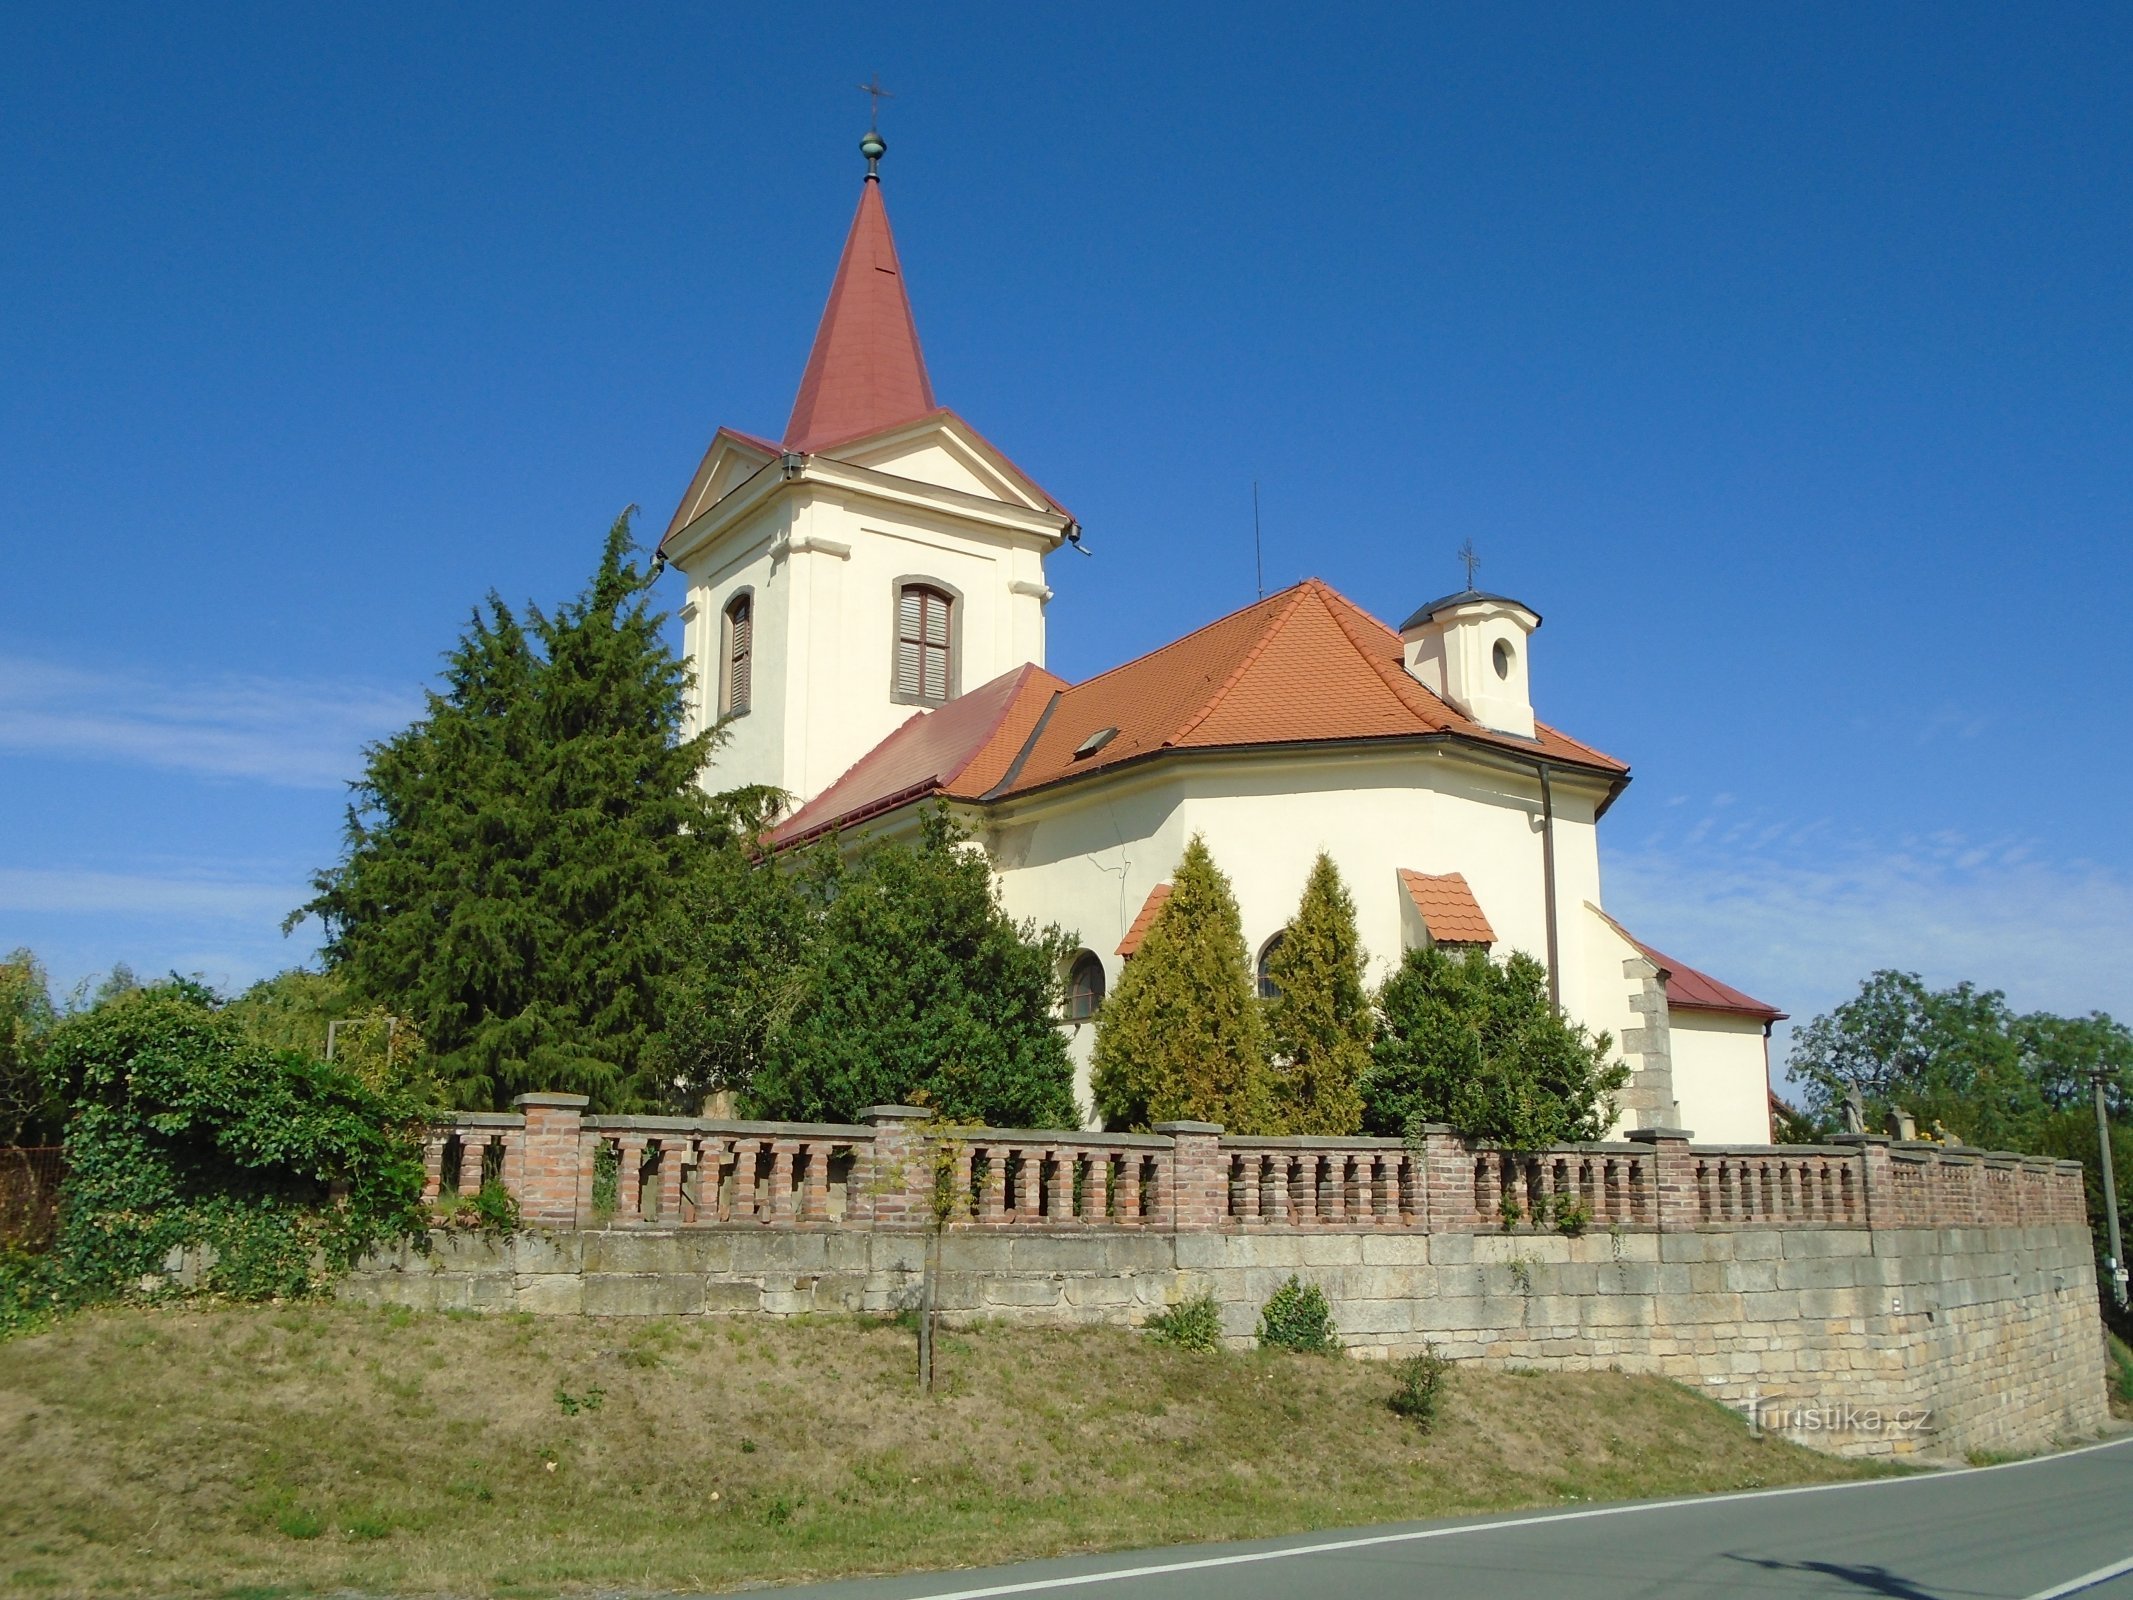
(1779, 355)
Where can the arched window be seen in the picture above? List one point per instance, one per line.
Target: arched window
(925, 668)
(1085, 987)
(736, 655)
(1268, 988)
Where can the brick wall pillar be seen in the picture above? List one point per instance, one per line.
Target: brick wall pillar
(1673, 1193)
(1197, 1180)
(548, 1158)
(895, 1169)
(1445, 1192)
(1876, 1200)
(1877, 1194)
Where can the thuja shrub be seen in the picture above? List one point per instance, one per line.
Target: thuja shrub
(1298, 1318)
(185, 1134)
(1194, 1324)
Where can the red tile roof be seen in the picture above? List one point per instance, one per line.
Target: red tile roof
(960, 750)
(1300, 667)
(1690, 990)
(1303, 666)
(865, 372)
(1449, 909)
(1158, 897)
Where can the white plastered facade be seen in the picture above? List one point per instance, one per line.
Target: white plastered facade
(821, 545)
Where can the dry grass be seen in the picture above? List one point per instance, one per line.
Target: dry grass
(304, 1448)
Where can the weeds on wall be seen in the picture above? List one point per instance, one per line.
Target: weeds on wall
(1297, 1318)
(490, 1211)
(1193, 1324)
(1572, 1215)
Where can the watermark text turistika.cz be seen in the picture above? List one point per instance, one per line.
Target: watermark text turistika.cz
(1790, 1414)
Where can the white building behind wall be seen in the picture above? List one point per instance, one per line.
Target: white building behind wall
(866, 606)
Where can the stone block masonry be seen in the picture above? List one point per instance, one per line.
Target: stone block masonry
(1866, 1296)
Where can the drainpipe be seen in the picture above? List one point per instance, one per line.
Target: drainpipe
(1555, 965)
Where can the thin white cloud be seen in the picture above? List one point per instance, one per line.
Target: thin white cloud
(292, 732)
(190, 896)
(1798, 917)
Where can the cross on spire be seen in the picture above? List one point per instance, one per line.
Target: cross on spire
(1472, 560)
(875, 94)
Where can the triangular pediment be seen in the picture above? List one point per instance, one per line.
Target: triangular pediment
(731, 461)
(943, 450)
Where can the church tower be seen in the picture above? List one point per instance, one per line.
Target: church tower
(879, 560)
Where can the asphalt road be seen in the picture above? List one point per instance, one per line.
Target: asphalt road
(2033, 1530)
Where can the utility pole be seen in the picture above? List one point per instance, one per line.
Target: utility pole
(2116, 1265)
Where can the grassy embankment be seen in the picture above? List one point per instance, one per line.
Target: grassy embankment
(314, 1447)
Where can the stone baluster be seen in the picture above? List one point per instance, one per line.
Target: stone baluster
(433, 1166)
(629, 1178)
(992, 1202)
(473, 1154)
(1056, 1167)
(1270, 1181)
(1096, 1189)
(815, 1201)
(673, 1154)
(781, 1182)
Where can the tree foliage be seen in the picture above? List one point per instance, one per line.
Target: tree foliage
(29, 1104)
(817, 986)
(1966, 1065)
(1478, 1044)
(1183, 1036)
(1960, 1059)
(298, 1010)
(510, 856)
(182, 1132)
(1320, 1019)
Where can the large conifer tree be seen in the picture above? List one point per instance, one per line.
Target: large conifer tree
(511, 856)
(1320, 1016)
(1182, 1036)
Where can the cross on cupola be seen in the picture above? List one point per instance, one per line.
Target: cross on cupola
(872, 145)
(1472, 561)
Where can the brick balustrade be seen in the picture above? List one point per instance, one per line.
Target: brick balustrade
(882, 1173)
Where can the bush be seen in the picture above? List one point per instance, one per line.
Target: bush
(184, 1134)
(1194, 1324)
(1298, 1318)
(1478, 1044)
(1572, 1215)
(1418, 1387)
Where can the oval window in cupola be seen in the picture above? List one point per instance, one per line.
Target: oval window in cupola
(1503, 657)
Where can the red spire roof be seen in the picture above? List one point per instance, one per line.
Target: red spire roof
(865, 372)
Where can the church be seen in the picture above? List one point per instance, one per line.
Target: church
(866, 608)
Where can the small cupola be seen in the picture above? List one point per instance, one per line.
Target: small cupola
(1470, 648)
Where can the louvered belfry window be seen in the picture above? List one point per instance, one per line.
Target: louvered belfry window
(739, 656)
(923, 668)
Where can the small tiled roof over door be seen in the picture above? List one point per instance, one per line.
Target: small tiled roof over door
(1151, 908)
(1448, 907)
